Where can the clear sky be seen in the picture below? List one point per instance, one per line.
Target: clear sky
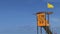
(17, 16)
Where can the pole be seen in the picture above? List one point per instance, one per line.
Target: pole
(41, 30)
(45, 22)
(37, 25)
(48, 22)
(37, 29)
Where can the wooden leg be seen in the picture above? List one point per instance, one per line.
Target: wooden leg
(46, 28)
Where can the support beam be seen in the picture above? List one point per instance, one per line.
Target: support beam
(46, 28)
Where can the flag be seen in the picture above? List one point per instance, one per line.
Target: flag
(50, 5)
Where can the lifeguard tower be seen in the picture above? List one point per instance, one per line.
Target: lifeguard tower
(43, 21)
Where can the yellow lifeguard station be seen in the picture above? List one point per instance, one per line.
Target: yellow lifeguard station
(42, 21)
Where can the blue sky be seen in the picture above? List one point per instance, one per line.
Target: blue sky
(17, 16)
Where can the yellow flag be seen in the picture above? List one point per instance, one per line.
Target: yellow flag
(50, 5)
